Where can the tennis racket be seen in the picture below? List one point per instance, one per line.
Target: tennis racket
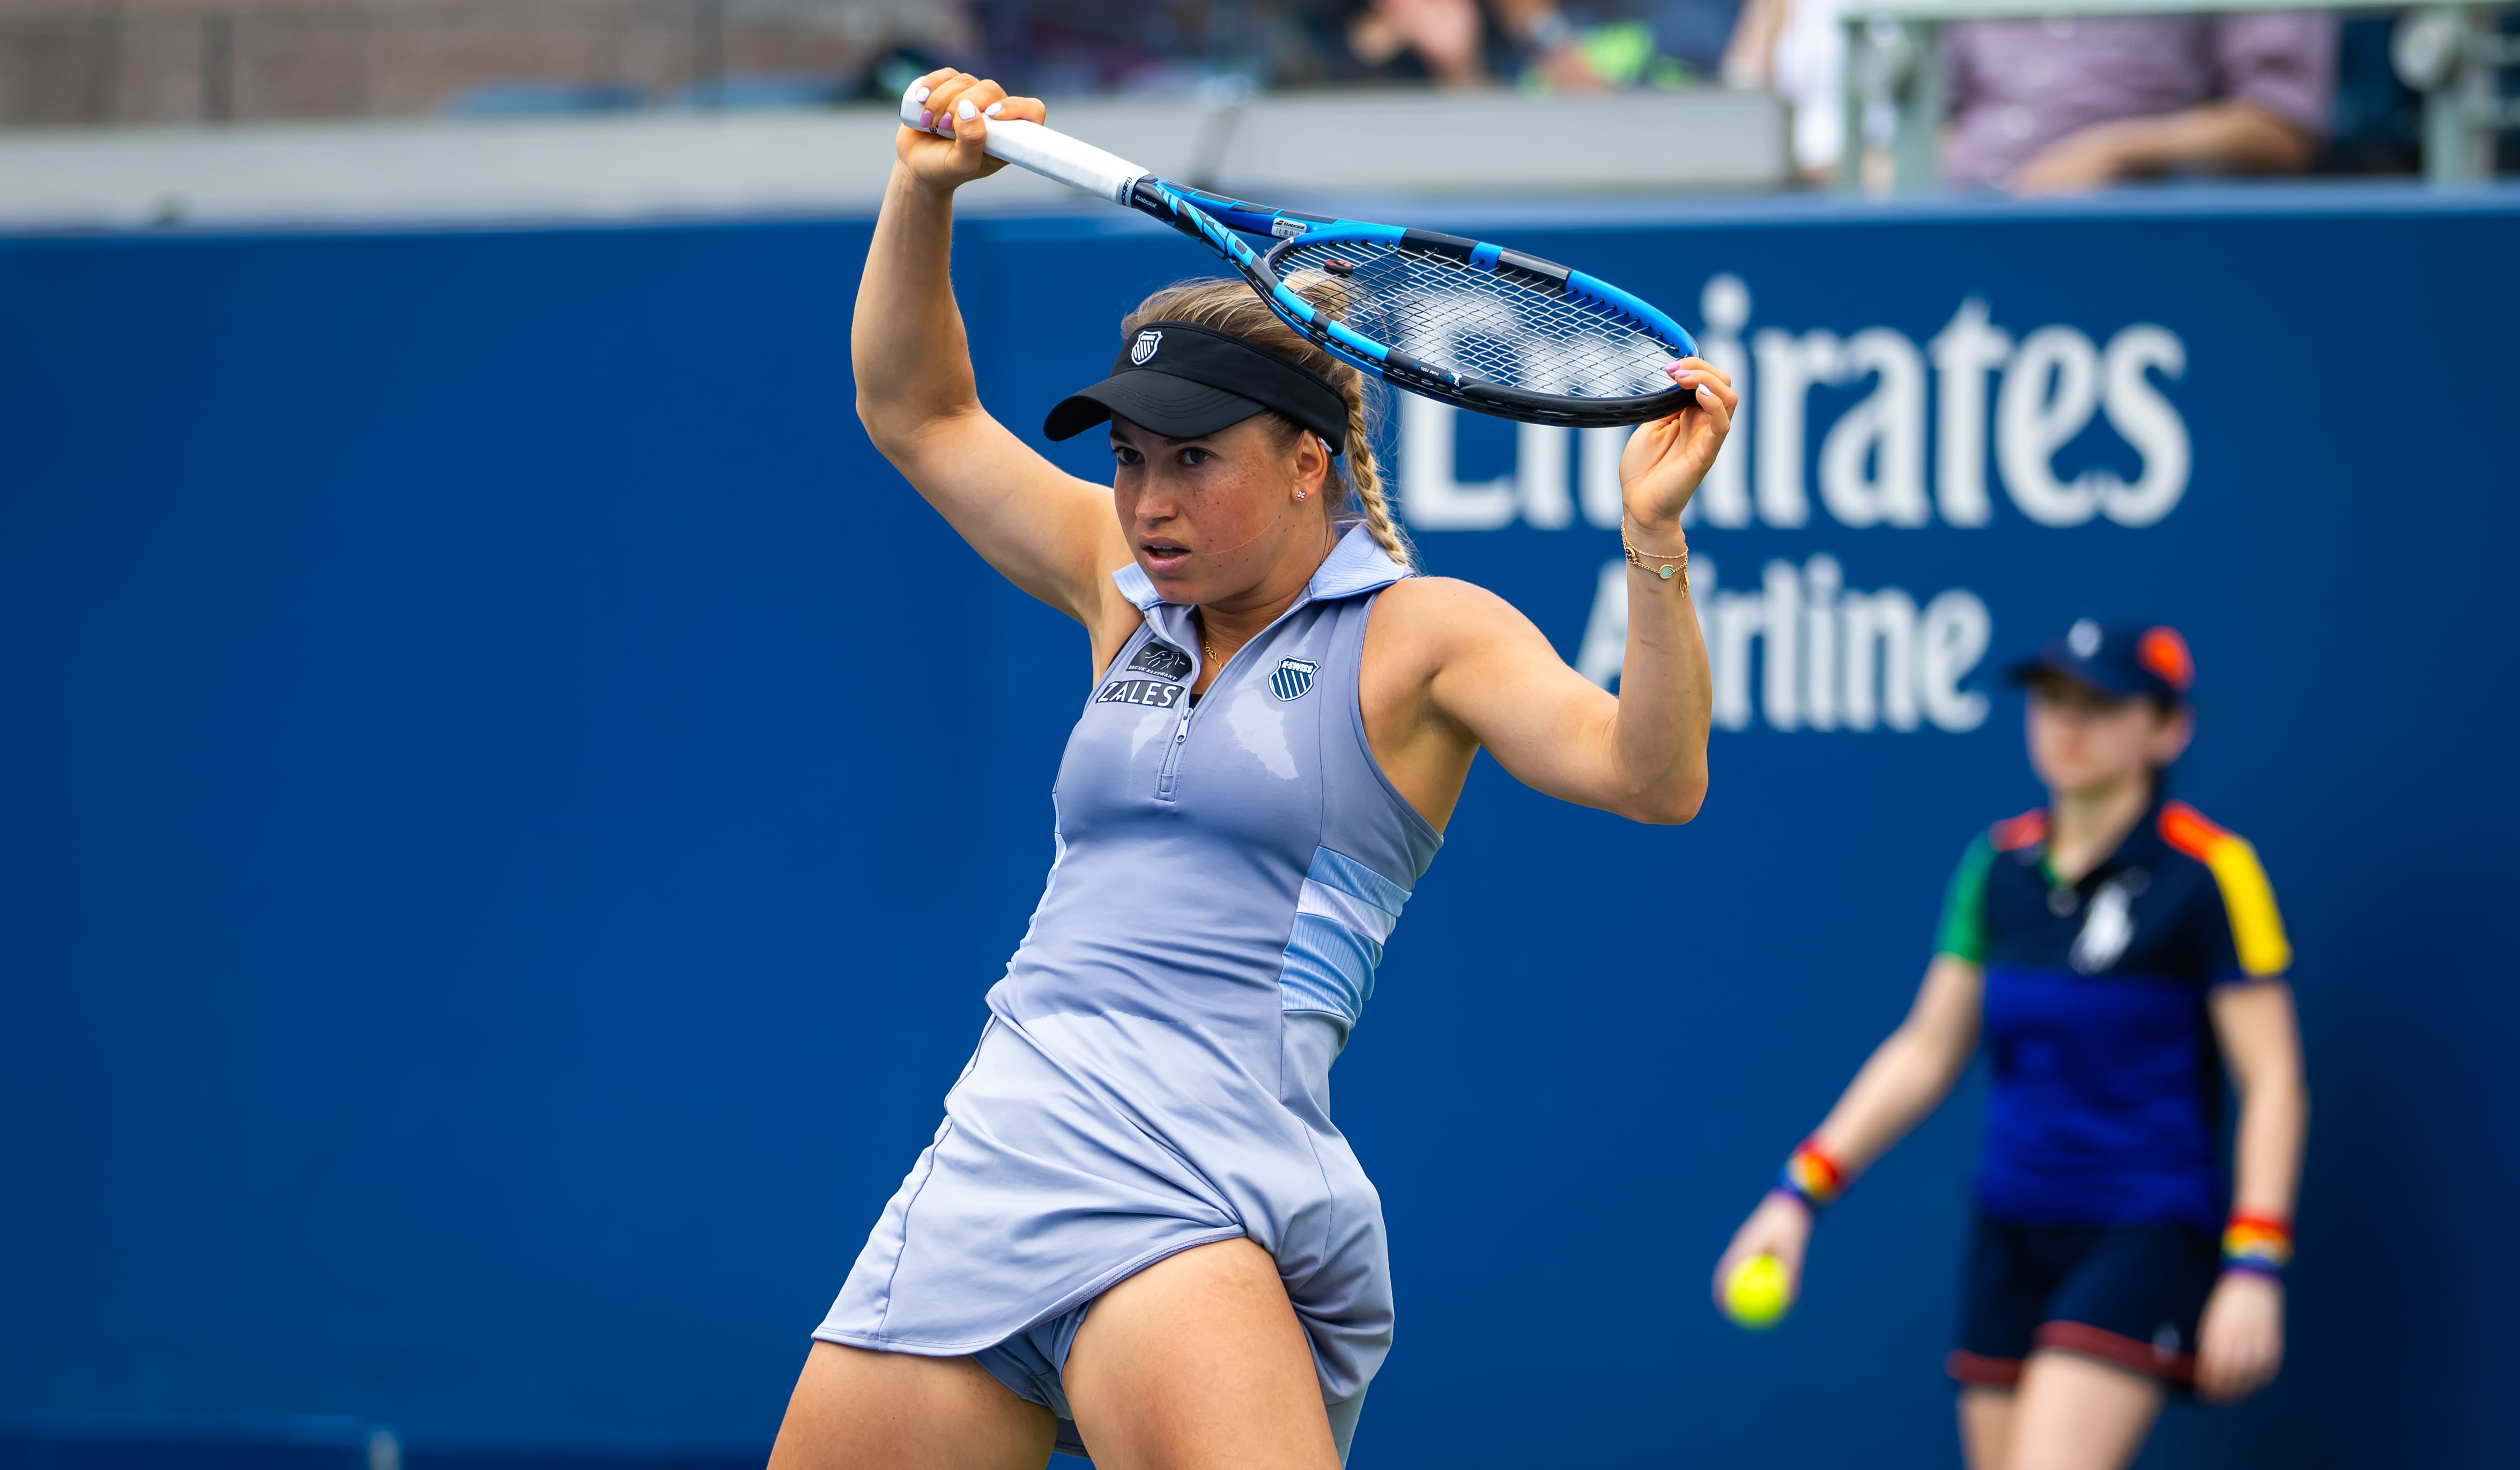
(1491, 329)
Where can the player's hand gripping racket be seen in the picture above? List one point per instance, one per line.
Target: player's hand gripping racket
(1475, 324)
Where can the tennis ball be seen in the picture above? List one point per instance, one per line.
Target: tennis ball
(1754, 1295)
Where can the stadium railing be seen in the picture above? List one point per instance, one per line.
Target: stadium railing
(2449, 52)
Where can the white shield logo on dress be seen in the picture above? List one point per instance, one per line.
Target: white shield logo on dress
(1144, 347)
(1293, 677)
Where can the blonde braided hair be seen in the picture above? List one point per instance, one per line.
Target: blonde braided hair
(1229, 306)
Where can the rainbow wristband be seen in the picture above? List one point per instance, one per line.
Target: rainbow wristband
(1812, 1177)
(2259, 1243)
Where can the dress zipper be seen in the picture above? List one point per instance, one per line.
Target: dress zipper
(1167, 778)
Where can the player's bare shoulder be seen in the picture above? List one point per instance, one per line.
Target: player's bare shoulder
(1424, 623)
(1446, 610)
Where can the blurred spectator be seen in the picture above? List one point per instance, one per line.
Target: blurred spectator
(1797, 48)
(1453, 43)
(1586, 44)
(2060, 104)
(102, 62)
(1060, 48)
(1462, 43)
(2044, 107)
(2378, 120)
(1052, 46)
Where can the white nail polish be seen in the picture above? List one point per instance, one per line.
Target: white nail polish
(921, 95)
(994, 108)
(965, 111)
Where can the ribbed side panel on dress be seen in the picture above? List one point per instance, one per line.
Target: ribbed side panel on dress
(1344, 914)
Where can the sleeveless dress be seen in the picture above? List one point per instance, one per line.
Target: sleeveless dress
(1154, 1072)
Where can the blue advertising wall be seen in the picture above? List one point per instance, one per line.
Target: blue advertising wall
(508, 808)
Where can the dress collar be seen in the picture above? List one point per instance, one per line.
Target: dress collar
(1356, 565)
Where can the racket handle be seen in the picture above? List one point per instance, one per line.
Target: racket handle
(1050, 154)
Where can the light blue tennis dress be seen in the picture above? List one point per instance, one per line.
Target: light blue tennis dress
(1154, 1072)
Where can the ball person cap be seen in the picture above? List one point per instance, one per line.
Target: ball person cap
(1182, 381)
(2123, 662)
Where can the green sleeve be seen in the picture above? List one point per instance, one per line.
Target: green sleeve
(1962, 935)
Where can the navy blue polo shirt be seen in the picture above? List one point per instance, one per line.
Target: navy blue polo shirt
(2107, 1082)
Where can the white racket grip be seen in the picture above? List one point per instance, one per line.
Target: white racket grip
(1049, 153)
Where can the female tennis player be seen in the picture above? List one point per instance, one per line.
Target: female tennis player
(2110, 947)
(1137, 1232)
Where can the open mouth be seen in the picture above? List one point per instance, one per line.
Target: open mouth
(1163, 556)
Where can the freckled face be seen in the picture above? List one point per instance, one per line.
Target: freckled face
(2082, 740)
(1210, 517)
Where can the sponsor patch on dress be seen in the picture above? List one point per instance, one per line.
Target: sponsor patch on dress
(1161, 660)
(1292, 678)
(1139, 692)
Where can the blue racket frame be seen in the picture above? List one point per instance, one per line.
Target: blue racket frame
(1220, 223)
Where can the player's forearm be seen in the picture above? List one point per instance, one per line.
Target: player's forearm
(1665, 698)
(907, 346)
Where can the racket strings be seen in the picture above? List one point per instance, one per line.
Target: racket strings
(1502, 326)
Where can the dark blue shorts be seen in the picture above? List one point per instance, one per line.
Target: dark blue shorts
(2127, 1295)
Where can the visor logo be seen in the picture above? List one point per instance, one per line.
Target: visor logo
(1145, 347)
(2083, 639)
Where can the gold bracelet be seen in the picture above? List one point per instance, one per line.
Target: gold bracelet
(1665, 568)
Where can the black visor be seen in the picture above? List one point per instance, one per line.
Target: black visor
(1183, 381)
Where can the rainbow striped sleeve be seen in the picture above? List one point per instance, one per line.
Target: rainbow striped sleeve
(2248, 900)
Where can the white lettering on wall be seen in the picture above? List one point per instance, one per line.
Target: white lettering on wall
(1729, 620)
(1952, 635)
(1596, 478)
(1781, 625)
(1788, 366)
(1540, 475)
(1826, 657)
(1877, 640)
(2145, 419)
(1431, 498)
(1605, 633)
(1723, 499)
(2049, 391)
(1886, 432)
(1966, 351)
(1822, 580)
(1871, 468)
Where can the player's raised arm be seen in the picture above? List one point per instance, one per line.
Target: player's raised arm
(1641, 755)
(1052, 534)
